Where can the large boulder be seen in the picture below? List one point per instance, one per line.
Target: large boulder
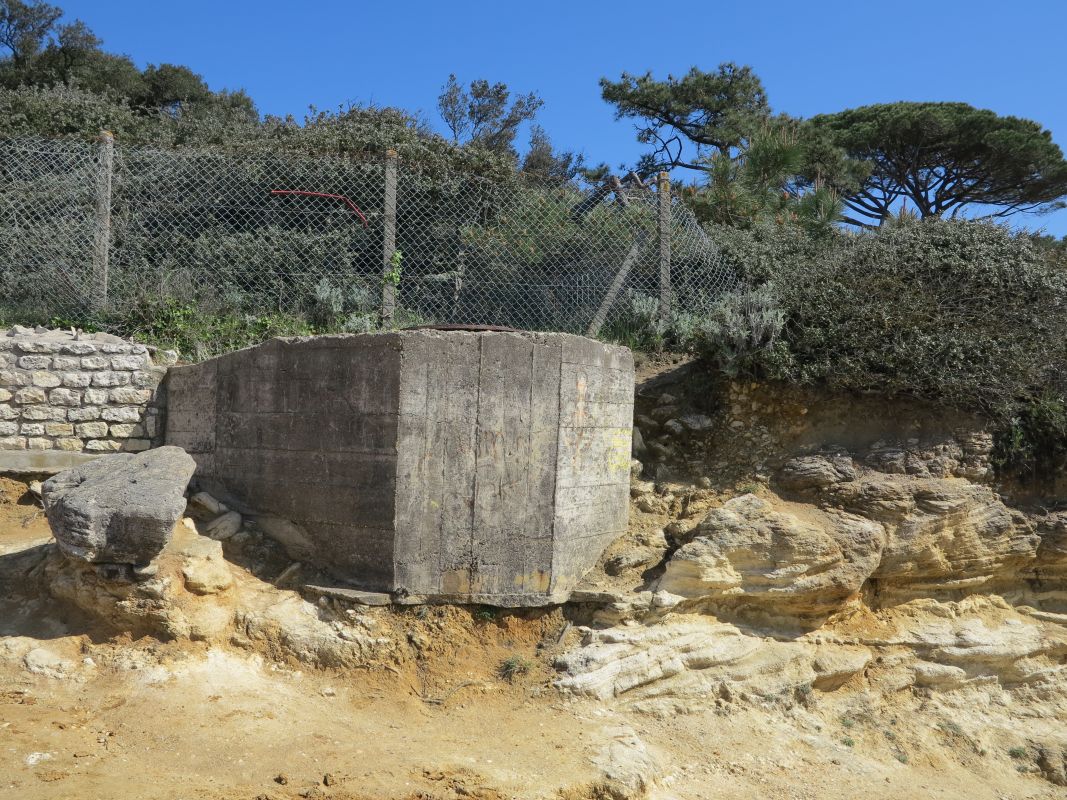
(121, 508)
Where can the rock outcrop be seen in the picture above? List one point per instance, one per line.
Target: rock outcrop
(844, 527)
(119, 509)
(943, 534)
(748, 554)
(183, 594)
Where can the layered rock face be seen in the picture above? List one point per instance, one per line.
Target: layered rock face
(749, 555)
(888, 576)
(892, 524)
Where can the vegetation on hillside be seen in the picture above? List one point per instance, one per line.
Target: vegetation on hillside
(860, 237)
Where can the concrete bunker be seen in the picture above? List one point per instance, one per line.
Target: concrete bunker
(467, 466)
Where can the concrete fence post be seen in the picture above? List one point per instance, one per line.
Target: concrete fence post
(389, 270)
(102, 220)
(664, 230)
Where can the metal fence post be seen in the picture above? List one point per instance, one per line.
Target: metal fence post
(102, 222)
(389, 239)
(664, 229)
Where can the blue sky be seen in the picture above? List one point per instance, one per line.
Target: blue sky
(814, 57)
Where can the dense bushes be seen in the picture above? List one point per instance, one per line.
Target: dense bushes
(63, 111)
(960, 312)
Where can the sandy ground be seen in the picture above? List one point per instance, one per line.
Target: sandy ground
(217, 724)
(85, 716)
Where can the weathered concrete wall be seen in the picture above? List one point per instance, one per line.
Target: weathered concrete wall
(489, 467)
(65, 397)
(304, 429)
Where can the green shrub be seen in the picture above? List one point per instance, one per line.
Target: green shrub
(738, 328)
(962, 313)
(198, 334)
(1033, 444)
(514, 666)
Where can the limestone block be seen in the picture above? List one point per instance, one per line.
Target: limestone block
(120, 508)
(84, 413)
(15, 377)
(110, 378)
(149, 378)
(129, 362)
(13, 443)
(204, 569)
(35, 362)
(78, 348)
(43, 412)
(36, 346)
(32, 429)
(59, 429)
(65, 397)
(30, 394)
(130, 396)
(95, 396)
(125, 430)
(45, 379)
(39, 444)
(103, 446)
(94, 362)
(77, 380)
(121, 414)
(92, 430)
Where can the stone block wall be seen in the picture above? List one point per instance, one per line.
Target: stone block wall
(66, 396)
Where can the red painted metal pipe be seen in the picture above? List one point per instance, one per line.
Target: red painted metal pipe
(346, 200)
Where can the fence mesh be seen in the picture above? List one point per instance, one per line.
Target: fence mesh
(280, 234)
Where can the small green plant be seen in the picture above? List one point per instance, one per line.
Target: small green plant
(848, 722)
(89, 325)
(485, 614)
(738, 327)
(848, 741)
(391, 277)
(948, 726)
(902, 758)
(513, 666)
(890, 735)
(1017, 752)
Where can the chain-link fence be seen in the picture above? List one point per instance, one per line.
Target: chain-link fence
(90, 232)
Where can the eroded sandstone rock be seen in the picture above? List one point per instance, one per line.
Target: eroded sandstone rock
(749, 554)
(181, 597)
(816, 472)
(943, 533)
